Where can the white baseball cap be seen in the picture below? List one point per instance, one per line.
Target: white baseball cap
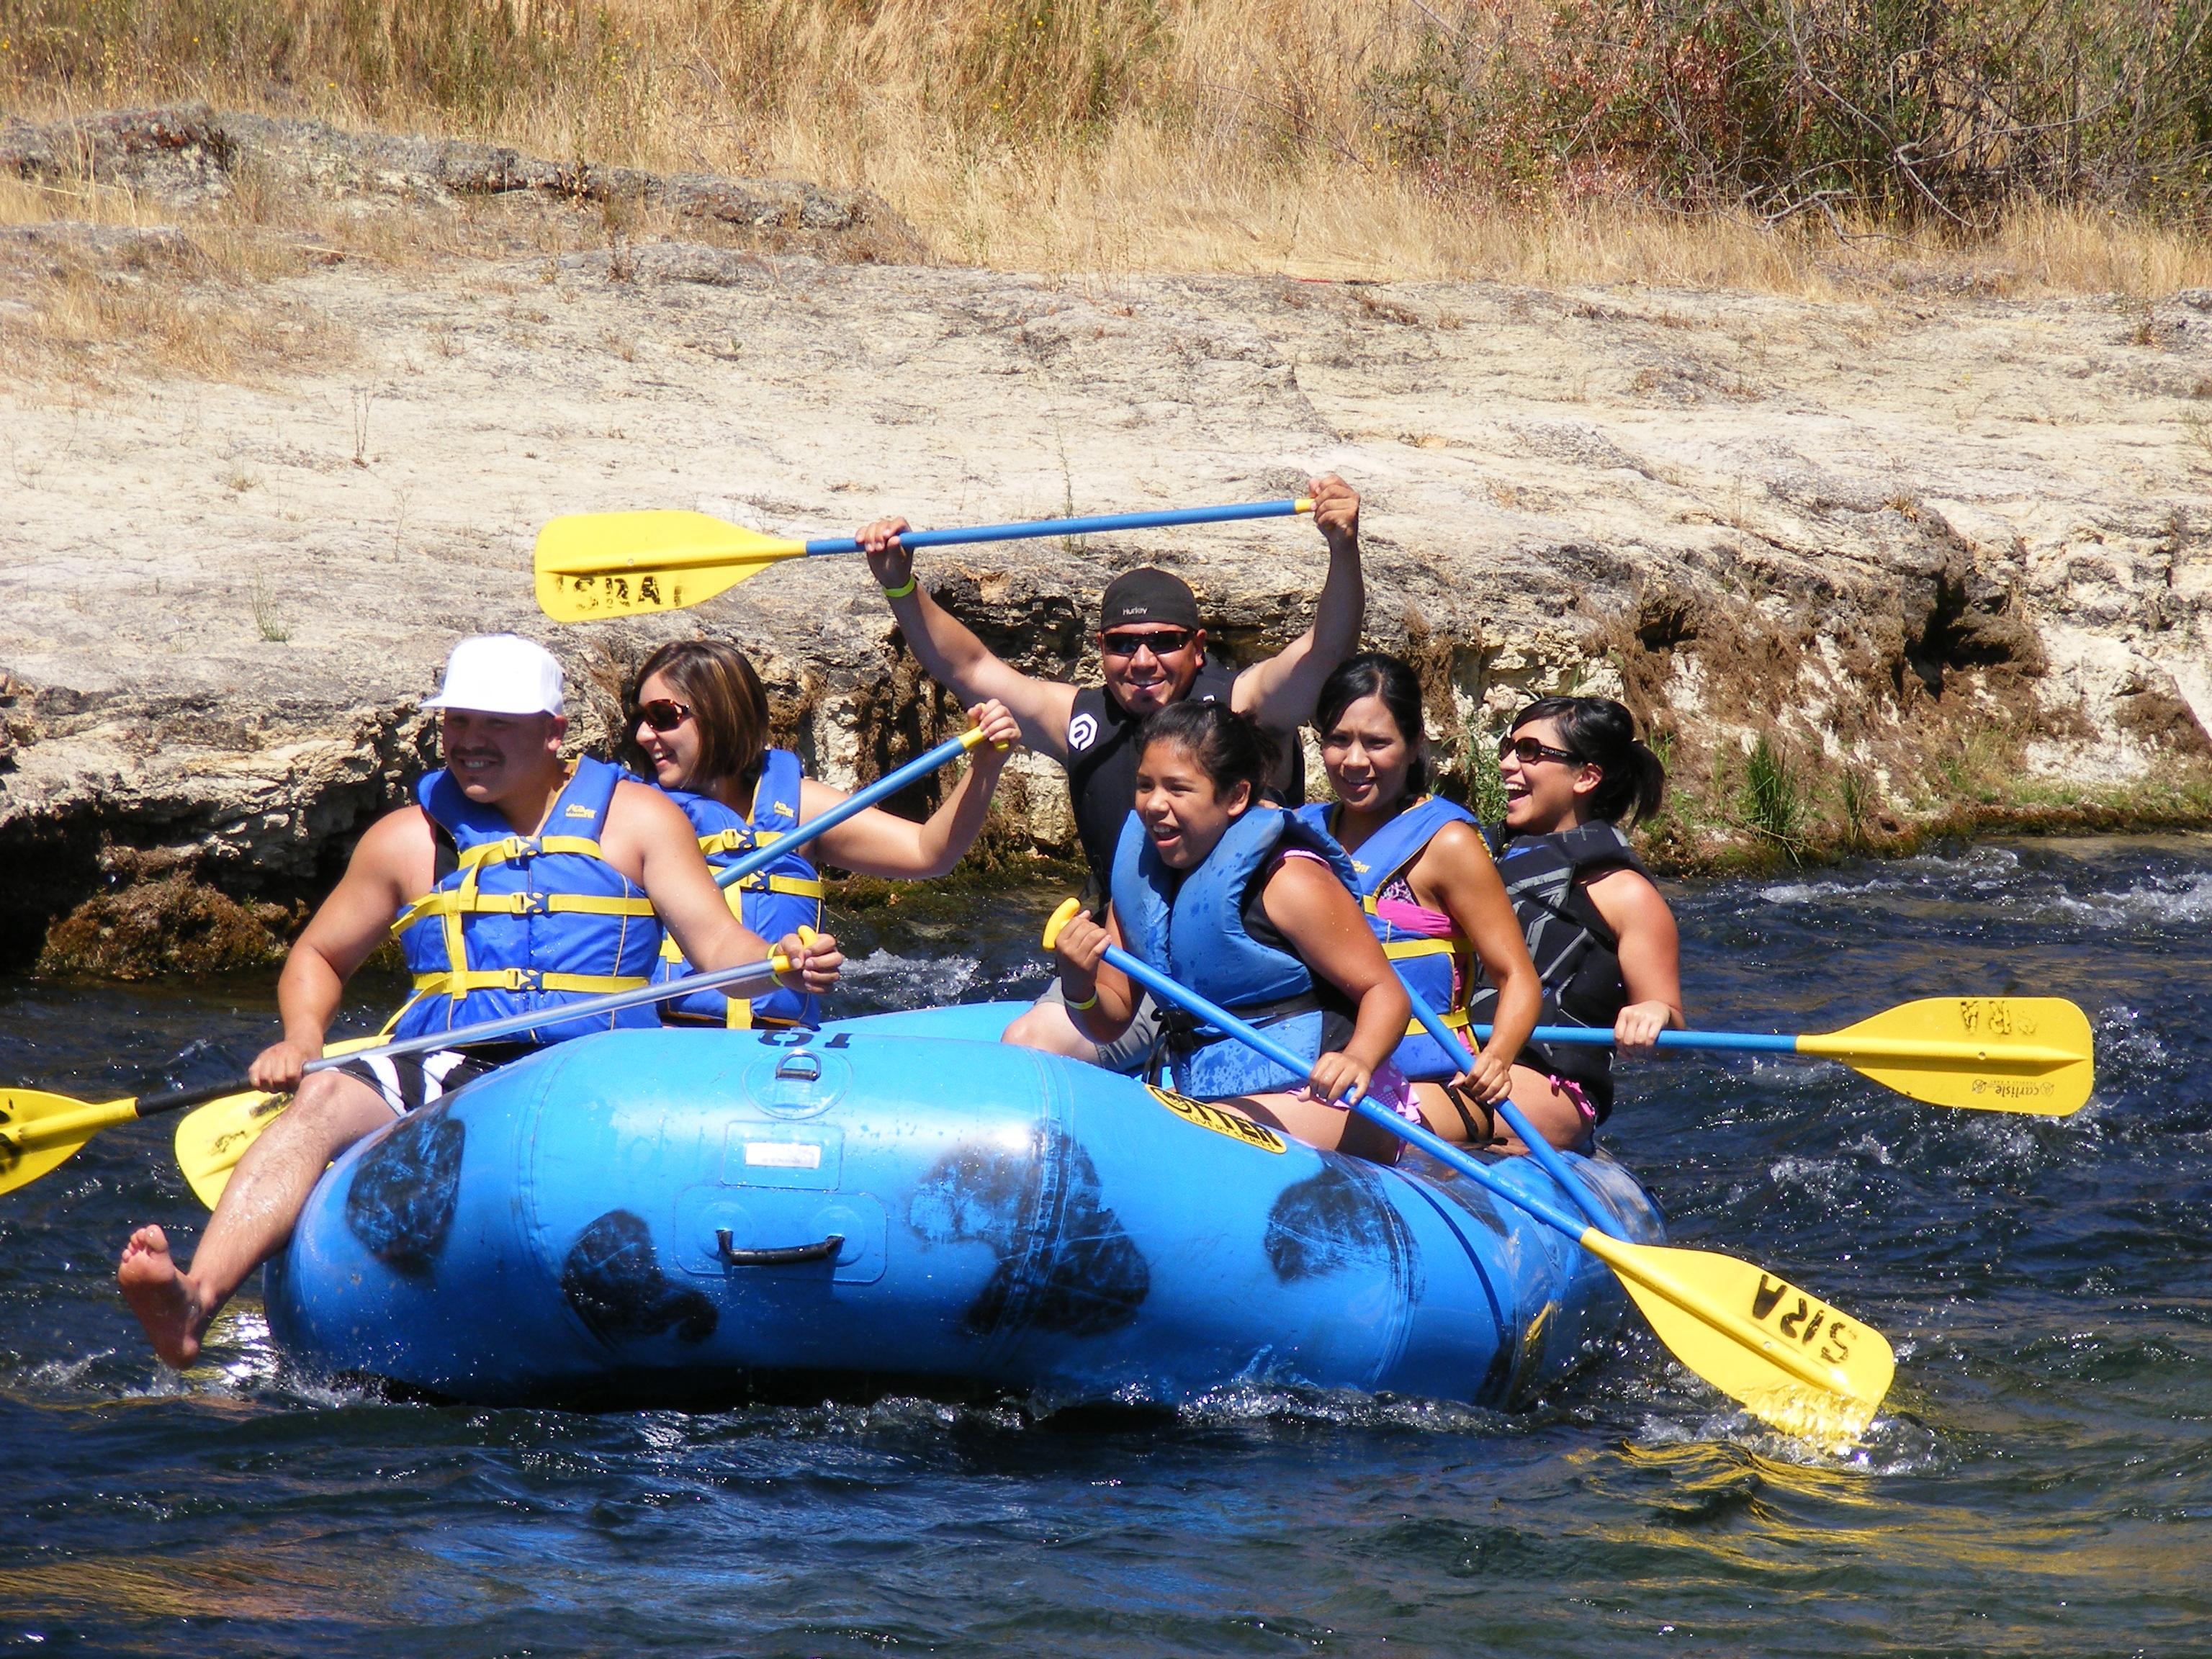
(499, 674)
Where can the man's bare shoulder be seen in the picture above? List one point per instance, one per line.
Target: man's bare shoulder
(400, 833)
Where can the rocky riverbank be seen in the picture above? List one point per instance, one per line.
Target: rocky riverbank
(283, 409)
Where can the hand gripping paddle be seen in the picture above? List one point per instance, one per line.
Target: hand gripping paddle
(212, 1140)
(39, 1131)
(1787, 1357)
(2031, 1054)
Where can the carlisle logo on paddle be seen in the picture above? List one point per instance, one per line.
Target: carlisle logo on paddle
(1221, 1122)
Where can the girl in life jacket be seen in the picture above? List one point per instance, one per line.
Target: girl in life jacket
(1252, 910)
(1602, 939)
(700, 721)
(1424, 876)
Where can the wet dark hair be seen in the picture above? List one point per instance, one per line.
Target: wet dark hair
(1601, 732)
(717, 682)
(1230, 748)
(1379, 674)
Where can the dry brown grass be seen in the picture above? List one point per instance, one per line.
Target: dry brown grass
(1088, 136)
(193, 300)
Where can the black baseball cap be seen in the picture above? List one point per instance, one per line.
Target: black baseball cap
(1147, 595)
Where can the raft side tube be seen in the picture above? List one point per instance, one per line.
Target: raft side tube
(635, 1214)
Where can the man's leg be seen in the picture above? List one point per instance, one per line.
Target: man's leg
(1049, 1026)
(264, 1197)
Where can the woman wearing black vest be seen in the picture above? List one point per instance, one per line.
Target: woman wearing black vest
(1603, 940)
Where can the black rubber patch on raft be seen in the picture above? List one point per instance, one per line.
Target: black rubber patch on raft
(1066, 1263)
(614, 1281)
(400, 1203)
(1337, 1220)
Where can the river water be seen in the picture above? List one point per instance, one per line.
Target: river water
(2039, 1483)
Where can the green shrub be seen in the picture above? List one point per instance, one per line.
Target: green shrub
(1913, 109)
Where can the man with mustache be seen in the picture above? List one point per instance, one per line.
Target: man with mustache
(1151, 654)
(517, 883)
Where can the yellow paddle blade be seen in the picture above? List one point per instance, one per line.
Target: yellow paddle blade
(210, 1141)
(1991, 1054)
(1788, 1357)
(40, 1131)
(592, 566)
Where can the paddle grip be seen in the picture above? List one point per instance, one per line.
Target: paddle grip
(1414, 1135)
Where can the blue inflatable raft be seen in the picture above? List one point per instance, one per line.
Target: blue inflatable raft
(893, 1205)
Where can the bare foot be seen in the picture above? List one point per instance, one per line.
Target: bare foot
(161, 1297)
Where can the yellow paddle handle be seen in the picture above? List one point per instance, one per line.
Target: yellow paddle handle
(1069, 909)
(1304, 504)
(972, 740)
(1845, 1047)
(781, 963)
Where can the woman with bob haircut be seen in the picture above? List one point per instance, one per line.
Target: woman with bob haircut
(700, 722)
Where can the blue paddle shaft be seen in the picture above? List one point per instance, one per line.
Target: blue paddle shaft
(1414, 1135)
(1599, 1037)
(911, 539)
(858, 801)
(490, 1030)
(1538, 1148)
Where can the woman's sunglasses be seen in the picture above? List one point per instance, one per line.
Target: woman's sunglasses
(1529, 751)
(663, 714)
(1165, 643)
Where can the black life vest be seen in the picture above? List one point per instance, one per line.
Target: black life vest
(1576, 953)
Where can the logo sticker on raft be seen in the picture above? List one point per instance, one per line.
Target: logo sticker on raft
(1221, 1122)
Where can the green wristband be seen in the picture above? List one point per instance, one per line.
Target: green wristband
(901, 592)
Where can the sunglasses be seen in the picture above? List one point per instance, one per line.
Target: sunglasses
(1165, 643)
(1529, 751)
(663, 714)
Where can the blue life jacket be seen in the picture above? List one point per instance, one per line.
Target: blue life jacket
(1430, 967)
(519, 923)
(1194, 926)
(779, 899)
(1577, 955)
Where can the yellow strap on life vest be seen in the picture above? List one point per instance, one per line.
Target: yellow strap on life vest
(1454, 1018)
(457, 902)
(803, 887)
(1406, 950)
(510, 848)
(522, 979)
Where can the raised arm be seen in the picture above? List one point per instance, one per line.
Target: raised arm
(955, 657)
(1280, 692)
(879, 843)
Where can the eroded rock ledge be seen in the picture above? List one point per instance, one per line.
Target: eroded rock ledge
(1864, 567)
